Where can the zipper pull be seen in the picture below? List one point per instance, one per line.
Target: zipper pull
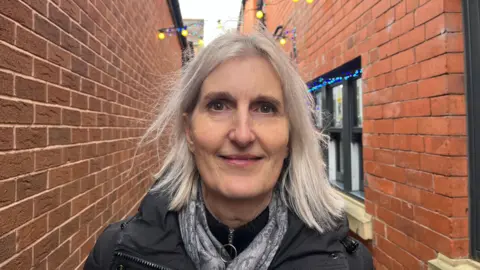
(230, 236)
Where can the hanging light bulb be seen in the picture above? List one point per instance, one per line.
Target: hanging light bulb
(161, 36)
(259, 14)
(309, 1)
(283, 41)
(184, 33)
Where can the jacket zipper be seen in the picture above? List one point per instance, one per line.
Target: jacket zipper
(141, 261)
(230, 236)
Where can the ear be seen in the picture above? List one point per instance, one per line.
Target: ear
(188, 131)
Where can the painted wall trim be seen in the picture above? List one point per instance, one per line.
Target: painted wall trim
(359, 221)
(443, 262)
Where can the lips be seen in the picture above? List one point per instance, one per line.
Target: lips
(241, 160)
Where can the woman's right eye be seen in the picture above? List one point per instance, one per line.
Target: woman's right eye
(216, 106)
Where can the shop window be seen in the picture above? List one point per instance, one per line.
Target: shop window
(338, 97)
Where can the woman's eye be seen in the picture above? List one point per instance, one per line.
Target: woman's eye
(267, 108)
(216, 106)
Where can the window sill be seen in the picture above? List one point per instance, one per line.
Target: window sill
(359, 221)
(442, 262)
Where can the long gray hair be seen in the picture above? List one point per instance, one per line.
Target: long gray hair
(303, 184)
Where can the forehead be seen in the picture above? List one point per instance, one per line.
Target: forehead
(244, 76)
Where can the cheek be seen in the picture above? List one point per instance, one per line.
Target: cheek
(207, 136)
(274, 136)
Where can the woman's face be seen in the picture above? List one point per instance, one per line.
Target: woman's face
(238, 130)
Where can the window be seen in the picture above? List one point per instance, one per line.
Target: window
(338, 98)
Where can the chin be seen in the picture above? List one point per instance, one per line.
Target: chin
(241, 190)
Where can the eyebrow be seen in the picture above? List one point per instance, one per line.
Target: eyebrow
(228, 96)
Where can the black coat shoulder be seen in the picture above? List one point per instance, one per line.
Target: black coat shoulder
(101, 255)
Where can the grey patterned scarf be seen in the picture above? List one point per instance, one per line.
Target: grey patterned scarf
(205, 250)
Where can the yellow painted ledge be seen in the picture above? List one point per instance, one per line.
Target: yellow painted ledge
(443, 262)
(360, 222)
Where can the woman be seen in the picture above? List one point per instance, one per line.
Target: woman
(243, 185)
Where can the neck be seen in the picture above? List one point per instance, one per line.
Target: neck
(235, 213)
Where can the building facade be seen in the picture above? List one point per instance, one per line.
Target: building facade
(390, 80)
(78, 82)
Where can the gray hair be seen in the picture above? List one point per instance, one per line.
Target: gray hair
(303, 184)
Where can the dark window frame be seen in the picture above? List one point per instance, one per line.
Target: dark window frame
(471, 23)
(349, 132)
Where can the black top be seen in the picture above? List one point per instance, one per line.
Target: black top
(152, 240)
(242, 236)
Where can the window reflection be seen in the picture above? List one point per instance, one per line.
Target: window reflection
(337, 105)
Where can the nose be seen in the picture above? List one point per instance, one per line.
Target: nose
(242, 133)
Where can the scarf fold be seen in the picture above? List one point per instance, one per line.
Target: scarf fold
(205, 250)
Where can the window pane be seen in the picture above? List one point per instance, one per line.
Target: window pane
(359, 106)
(337, 105)
(335, 159)
(319, 109)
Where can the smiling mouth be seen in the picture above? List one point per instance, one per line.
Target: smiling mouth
(241, 160)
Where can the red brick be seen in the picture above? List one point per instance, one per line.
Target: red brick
(457, 125)
(57, 257)
(403, 59)
(71, 117)
(21, 261)
(7, 193)
(420, 179)
(59, 56)
(29, 89)
(408, 193)
(415, 248)
(15, 164)
(23, 112)
(409, 143)
(31, 232)
(46, 202)
(42, 248)
(15, 60)
(406, 126)
(30, 137)
(402, 26)
(383, 260)
(30, 42)
(446, 146)
(70, 191)
(47, 115)
(17, 11)
(451, 186)
(407, 160)
(406, 259)
(419, 107)
(80, 67)
(70, 80)
(429, 11)
(59, 136)
(69, 43)
(7, 30)
(385, 186)
(434, 67)
(384, 126)
(405, 92)
(412, 38)
(381, 67)
(14, 216)
(414, 72)
(46, 71)
(391, 110)
(455, 63)
(46, 29)
(448, 105)
(433, 125)
(48, 158)
(372, 112)
(69, 228)
(7, 247)
(434, 221)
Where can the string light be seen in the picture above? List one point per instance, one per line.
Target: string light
(295, 1)
(321, 82)
(259, 14)
(184, 32)
(283, 41)
(309, 1)
(200, 42)
(161, 36)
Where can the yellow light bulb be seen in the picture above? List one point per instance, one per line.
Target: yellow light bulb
(200, 42)
(283, 41)
(259, 14)
(184, 33)
(309, 1)
(161, 36)
(295, 1)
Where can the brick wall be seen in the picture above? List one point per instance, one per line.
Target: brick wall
(77, 83)
(414, 108)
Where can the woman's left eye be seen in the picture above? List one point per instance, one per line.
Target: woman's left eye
(267, 108)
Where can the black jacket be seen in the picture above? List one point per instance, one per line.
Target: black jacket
(152, 240)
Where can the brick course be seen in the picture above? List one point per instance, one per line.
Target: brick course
(76, 92)
(414, 132)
